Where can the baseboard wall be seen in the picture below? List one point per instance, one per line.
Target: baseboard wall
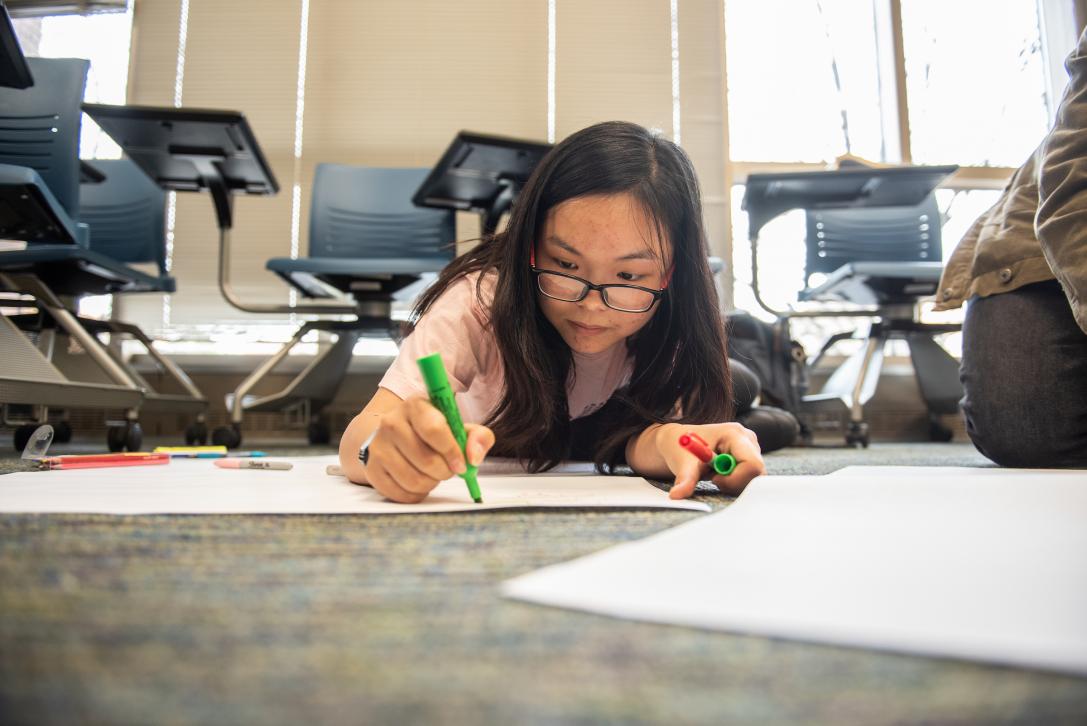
(895, 413)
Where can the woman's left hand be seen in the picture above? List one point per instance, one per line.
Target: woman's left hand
(688, 469)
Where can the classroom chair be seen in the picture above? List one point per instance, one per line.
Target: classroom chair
(873, 242)
(367, 242)
(40, 190)
(39, 193)
(887, 258)
(126, 213)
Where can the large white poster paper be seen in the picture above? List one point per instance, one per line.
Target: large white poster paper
(992, 568)
(196, 486)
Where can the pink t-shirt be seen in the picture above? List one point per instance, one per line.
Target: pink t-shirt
(457, 327)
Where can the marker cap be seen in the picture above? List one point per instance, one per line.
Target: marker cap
(433, 371)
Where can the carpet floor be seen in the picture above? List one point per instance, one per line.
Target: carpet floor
(370, 619)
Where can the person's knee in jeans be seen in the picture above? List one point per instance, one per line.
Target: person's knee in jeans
(1024, 372)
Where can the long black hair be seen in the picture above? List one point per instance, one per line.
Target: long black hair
(680, 368)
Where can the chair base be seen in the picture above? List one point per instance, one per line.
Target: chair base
(314, 387)
(48, 374)
(854, 382)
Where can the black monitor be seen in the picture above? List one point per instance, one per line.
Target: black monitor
(480, 173)
(184, 149)
(14, 71)
(768, 195)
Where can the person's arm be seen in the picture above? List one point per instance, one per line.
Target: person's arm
(1061, 224)
(360, 428)
(657, 454)
(955, 280)
(413, 449)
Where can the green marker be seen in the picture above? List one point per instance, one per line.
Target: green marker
(441, 396)
(723, 464)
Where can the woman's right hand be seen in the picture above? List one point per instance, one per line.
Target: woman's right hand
(414, 449)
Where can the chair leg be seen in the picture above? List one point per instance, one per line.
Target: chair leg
(831, 342)
(237, 410)
(854, 381)
(310, 390)
(937, 374)
(173, 370)
(865, 386)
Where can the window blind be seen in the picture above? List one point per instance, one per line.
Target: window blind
(702, 105)
(612, 62)
(390, 84)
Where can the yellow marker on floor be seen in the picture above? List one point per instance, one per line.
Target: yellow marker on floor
(190, 449)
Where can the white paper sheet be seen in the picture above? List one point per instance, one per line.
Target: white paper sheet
(955, 471)
(985, 567)
(196, 486)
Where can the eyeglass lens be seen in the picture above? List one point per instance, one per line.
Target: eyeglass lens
(571, 290)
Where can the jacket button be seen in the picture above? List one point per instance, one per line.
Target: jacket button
(948, 292)
(1006, 274)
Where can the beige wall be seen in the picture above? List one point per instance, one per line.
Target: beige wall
(390, 82)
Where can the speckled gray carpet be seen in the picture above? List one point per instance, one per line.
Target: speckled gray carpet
(369, 619)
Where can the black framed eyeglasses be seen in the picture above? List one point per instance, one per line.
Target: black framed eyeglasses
(570, 288)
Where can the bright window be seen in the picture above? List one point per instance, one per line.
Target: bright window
(101, 38)
(977, 97)
(805, 89)
(827, 83)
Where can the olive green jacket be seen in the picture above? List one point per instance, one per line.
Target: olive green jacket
(1038, 229)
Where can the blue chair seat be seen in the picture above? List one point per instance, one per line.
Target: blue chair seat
(73, 270)
(313, 276)
(30, 212)
(878, 283)
(356, 267)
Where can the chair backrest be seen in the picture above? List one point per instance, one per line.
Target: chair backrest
(875, 234)
(126, 213)
(367, 212)
(39, 126)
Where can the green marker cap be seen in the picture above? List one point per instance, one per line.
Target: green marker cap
(724, 464)
(433, 371)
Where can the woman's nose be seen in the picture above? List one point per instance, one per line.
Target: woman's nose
(594, 300)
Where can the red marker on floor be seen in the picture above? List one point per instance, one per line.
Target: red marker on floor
(723, 464)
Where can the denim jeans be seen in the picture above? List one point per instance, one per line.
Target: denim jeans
(1024, 371)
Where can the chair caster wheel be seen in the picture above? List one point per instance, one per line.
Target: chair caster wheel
(196, 434)
(22, 436)
(938, 432)
(318, 433)
(125, 437)
(62, 432)
(228, 436)
(857, 434)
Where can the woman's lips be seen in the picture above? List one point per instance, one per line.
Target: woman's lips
(587, 329)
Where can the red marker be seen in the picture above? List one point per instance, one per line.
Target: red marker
(723, 464)
(99, 461)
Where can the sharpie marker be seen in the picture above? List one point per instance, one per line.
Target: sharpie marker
(253, 464)
(723, 464)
